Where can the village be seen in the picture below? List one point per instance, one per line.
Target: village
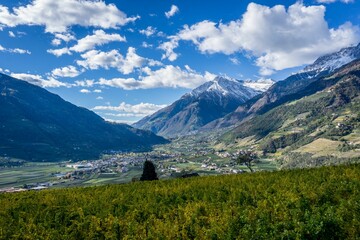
(128, 168)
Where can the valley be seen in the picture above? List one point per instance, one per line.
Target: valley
(123, 168)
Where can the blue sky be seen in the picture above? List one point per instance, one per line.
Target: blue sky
(126, 59)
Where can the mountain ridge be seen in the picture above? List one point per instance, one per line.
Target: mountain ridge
(38, 125)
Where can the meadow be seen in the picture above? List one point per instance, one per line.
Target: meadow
(319, 203)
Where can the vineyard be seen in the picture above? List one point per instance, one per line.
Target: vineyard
(320, 203)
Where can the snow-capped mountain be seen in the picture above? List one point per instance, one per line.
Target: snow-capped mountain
(261, 84)
(210, 101)
(293, 87)
(332, 61)
(224, 86)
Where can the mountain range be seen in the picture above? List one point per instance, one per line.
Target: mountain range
(291, 88)
(206, 103)
(321, 125)
(225, 102)
(40, 126)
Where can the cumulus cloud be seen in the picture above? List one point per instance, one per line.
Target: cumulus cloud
(173, 10)
(279, 38)
(148, 31)
(113, 59)
(89, 42)
(59, 37)
(69, 71)
(39, 80)
(169, 47)
(59, 16)
(128, 110)
(11, 34)
(97, 91)
(166, 77)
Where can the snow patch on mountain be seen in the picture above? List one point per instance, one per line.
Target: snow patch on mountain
(226, 87)
(261, 84)
(332, 61)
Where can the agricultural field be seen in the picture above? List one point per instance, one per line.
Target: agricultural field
(318, 203)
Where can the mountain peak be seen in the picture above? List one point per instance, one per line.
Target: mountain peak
(223, 86)
(224, 79)
(212, 100)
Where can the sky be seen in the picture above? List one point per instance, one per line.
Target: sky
(126, 59)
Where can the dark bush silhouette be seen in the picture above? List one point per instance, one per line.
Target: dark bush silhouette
(149, 172)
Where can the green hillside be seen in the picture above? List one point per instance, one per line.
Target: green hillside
(320, 203)
(321, 127)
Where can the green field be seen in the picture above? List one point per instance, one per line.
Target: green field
(319, 203)
(29, 173)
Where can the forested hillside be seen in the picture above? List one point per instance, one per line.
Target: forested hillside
(37, 125)
(320, 203)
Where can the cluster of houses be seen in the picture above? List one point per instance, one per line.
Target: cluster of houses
(167, 164)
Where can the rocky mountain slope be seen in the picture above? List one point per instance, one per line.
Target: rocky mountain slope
(210, 101)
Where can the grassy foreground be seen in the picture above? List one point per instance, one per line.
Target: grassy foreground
(322, 203)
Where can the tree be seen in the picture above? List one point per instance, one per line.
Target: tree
(246, 158)
(149, 172)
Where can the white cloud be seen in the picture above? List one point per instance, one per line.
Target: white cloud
(84, 83)
(148, 31)
(99, 98)
(89, 42)
(278, 37)
(39, 80)
(113, 59)
(85, 90)
(234, 60)
(58, 16)
(97, 91)
(129, 122)
(125, 114)
(69, 71)
(56, 42)
(59, 37)
(19, 51)
(146, 45)
(99, 38)
(11, 34)
(59, 52)
(168, 76)
(332, 1)
(169, 47)
(141, 109)
(14, 50)
(174, 9)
